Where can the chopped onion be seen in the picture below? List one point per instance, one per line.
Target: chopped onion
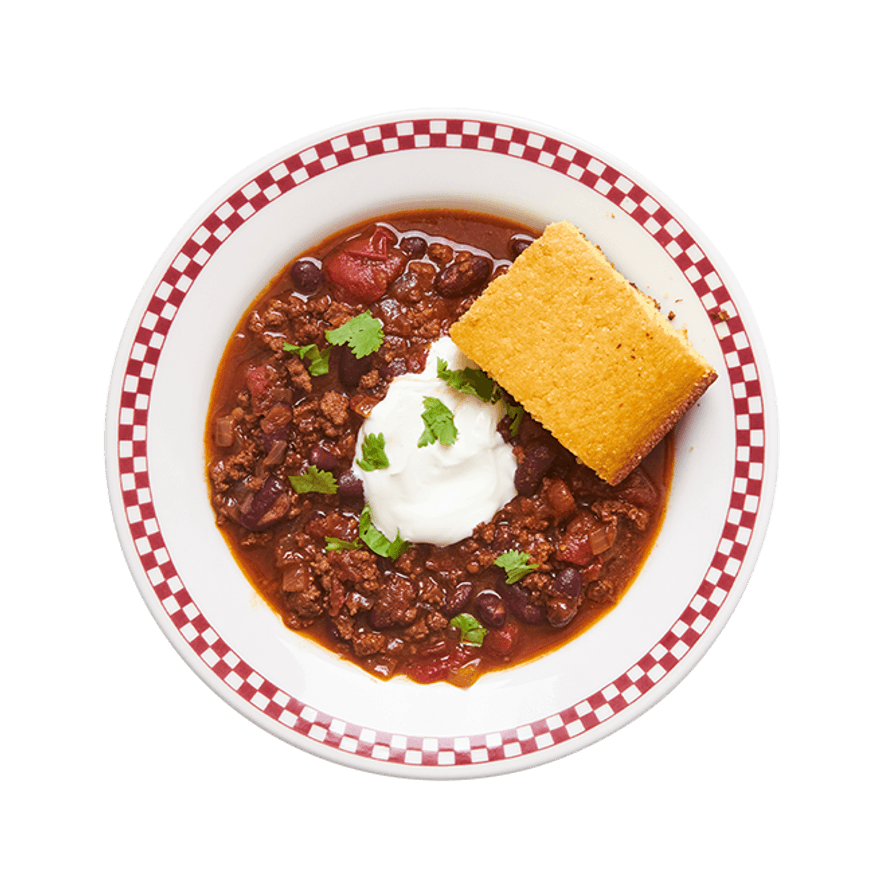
(602, 537)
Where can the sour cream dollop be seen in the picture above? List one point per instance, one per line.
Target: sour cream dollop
(436, 494)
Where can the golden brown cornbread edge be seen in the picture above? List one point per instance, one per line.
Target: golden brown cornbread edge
(586, 353)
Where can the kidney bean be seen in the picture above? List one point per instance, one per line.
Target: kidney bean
(349, 487)
(568, 584)
(353, 368)
(395, 320)
(518, 243)
(306, 276)
(457, 598)
(415, 282)
(530, 471)
(406, 288)
(463, 275)
(491, 610)
(267, 506)
(561, 611)
(413, 246)
(323, 460)
(519, 602)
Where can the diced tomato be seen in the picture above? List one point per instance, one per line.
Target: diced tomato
(575, 550)
(501, 641)
(439, 669)
(574, 547)
(257, 379)
(374, 247)
(364, 268)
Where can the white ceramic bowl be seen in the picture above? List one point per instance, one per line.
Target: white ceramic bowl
(726, 448)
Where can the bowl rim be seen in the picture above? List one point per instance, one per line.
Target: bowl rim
(636, 689)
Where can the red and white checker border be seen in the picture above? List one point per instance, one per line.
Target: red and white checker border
(386, 747)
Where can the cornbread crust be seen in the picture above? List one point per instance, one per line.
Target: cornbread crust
(584, 351)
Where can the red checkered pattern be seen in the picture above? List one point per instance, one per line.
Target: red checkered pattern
(386, 746)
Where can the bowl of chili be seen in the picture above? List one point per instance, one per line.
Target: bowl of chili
(292, 610)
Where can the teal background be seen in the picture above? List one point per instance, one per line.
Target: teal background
(758, 119)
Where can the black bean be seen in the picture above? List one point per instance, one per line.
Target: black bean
(306, 276)
(323, 460)
(457, 598)
(518, 243)
(349, 487)
(491, 610)
(463, 275)
(567, 584)
(530, 471)
(352, 368)
(413, 246)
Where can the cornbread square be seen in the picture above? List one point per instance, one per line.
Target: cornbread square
(584, 351)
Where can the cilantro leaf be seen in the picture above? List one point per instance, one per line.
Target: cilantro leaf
(373, 452)
(515, 564)
(363, 334)
(339, 544)
(516, 412)
(437, 418)
(470, 381)
(314, 480)
(376, 541)
(472, 631)
(316, 361)
(482, 386)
